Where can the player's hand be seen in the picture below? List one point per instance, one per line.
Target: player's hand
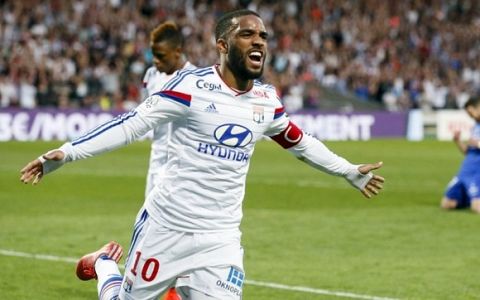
(474, 143)
(375, 184)
(34, 170)
(456, 135)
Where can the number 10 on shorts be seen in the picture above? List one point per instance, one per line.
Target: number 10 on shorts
(149, 270)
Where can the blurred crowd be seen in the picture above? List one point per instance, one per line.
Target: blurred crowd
(93, 53)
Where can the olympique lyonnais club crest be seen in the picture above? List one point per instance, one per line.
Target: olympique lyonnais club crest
(258, 114)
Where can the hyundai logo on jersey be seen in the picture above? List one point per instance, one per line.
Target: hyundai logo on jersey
(233, 135)
(223, 152)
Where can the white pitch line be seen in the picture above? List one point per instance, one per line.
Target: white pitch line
(37, 256)
(272, 285)
(310, 290)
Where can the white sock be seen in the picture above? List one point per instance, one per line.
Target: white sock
(109, 278)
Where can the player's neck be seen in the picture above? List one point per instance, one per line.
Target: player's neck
(234, 82)
(178, 66)
(181, 63)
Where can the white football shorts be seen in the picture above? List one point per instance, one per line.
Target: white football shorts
(159, 258)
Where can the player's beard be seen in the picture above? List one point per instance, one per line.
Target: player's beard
(237, 62)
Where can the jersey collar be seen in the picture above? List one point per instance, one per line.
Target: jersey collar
(234, 90)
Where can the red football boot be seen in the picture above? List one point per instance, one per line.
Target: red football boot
(172, 295)
(86, 264)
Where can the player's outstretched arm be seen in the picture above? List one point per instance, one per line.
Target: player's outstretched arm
(457, 140)
(46, 163)
(111, 135)
(316, 154)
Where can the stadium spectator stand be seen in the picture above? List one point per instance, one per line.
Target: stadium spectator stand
(346, 54)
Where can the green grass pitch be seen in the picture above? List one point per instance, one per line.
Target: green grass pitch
(301, 227)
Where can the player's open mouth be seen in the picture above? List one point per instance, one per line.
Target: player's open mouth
(256, 58)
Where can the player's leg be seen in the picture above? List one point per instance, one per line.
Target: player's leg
(138, 226)
(140, 220)
(475, 205)
(109, 279)
(220, 283)
(473, 191)
(152, 268)
(219, 272)
(448, 203)
(455, 196)
(102, 265)
(151, 179)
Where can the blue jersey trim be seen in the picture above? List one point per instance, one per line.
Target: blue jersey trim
(102, 128)
(184, 73)
(110, 283)
(136, 232)
(257, 82)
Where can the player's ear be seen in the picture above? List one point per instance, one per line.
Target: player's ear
(222, 46)
(178, 51)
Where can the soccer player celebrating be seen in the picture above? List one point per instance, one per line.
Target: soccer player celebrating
(189, 232)
(464, 189)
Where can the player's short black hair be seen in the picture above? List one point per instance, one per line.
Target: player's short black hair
(224, 23)
(473, 101)
(167, 31)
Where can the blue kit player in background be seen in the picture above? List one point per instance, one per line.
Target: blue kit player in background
(189, 234)
(464, 189)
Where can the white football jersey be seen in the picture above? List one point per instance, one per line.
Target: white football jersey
(210, 146)
(214, 130)
(153, 81)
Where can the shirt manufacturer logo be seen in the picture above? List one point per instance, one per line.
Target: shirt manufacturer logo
(211, 108)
